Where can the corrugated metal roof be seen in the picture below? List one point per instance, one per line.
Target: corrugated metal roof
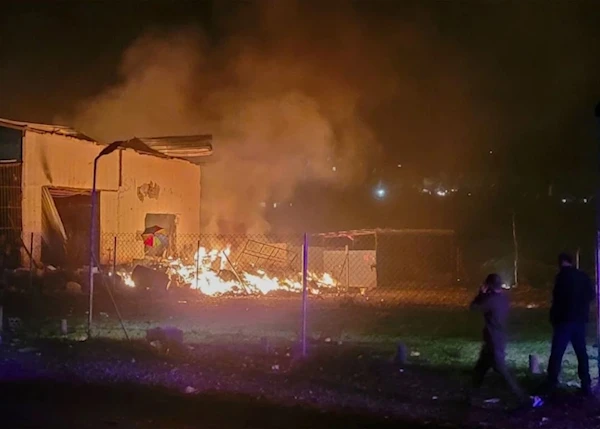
(139, 146)
(46, 129)
(191, 148)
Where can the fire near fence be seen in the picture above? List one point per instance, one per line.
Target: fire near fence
(367, 287)
(354, 262)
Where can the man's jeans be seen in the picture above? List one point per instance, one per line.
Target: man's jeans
(565, 333)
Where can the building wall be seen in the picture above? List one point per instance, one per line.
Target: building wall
(59, 161)
(123, 213)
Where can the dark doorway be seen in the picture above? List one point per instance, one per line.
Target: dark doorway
(69, 217)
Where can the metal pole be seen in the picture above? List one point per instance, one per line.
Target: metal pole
(114, 267)
(597, 114)
(197, 262)
(516, 247)
(92, 244)
(347, 268)
(304, 292)
(457, 268)
(31, 262)
(578, 258)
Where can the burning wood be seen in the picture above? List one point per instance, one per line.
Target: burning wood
(213, 273)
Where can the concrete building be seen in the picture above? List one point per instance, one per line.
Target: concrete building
(46, 175)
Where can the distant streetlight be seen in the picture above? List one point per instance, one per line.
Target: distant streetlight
(380, 192)
(107, 150)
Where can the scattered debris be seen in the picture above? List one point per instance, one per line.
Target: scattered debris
(15, 323)
(73, 287)
(166, 338)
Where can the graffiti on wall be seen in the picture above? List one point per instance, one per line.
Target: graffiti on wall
(148, 190)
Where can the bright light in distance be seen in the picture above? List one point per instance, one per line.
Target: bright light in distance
(380, 192)
(564, 200)
(441, 192)
(334, 168)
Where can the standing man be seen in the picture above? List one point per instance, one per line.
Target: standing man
(569, 315)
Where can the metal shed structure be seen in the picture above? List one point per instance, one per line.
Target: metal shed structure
(390, 258)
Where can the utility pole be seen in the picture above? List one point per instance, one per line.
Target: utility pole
(597, 114)
(516, 247)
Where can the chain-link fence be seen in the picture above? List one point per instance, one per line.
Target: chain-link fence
(376, 287)
(211, 286)
(250, 285)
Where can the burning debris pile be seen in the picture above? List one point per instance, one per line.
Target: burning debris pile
(213, 273)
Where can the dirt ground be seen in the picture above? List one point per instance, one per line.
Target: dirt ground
(98, 384)
(225, 376)
(43, 404)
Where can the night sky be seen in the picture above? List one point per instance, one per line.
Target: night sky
(515, 78)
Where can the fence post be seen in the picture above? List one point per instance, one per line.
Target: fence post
(197, 262)
(31, 261)
(597, 114)
(304, 292)
(516, 249)
(114, 267)
(347, 268)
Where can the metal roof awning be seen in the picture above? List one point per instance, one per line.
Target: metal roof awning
(45, 129)
(191, 148)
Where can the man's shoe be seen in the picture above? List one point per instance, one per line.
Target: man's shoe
(531, 403)
(536, 402)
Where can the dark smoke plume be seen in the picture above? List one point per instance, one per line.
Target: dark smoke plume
(288, 91)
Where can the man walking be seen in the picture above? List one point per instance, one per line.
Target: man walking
(495, 306)
(569, 314)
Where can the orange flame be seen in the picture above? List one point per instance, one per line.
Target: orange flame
(205, 275)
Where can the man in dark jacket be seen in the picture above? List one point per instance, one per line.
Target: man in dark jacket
(495, 306)
(569, 314)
